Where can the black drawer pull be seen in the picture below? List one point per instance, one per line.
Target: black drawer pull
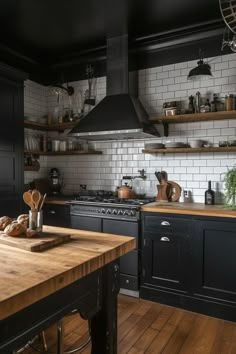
(165, 223)
(165, 239)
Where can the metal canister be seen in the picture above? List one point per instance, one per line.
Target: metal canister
(229, 102)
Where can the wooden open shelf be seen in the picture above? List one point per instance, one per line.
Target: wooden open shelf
(49, 127)
(194, 117)
(59, 153)
(190, 150)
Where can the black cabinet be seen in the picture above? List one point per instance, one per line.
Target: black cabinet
(11, 141)
(129, 263)
(56, 215)
(166, 252)
(215, 260)
(86, 223)
(190, 262)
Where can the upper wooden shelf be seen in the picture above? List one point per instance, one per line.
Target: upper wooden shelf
(194, 117)
(190, 150)
(49, 127)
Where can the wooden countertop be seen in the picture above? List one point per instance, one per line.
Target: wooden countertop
(189, 209)
(27, 277)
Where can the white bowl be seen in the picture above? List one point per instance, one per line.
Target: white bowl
(196, 143)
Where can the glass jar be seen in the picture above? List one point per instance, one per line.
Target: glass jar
(36, 220)
(229, 102)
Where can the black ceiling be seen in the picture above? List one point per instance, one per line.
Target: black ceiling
(42, 36)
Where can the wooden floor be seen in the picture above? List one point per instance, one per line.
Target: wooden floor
(147, 327)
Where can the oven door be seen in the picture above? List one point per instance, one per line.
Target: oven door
(88, 223)
(129, 263)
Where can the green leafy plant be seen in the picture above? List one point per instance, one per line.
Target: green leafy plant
(230, 188)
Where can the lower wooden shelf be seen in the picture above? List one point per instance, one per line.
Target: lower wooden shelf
(190, 150)
(60, 153)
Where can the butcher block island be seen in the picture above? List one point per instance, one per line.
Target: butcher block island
(38, 289)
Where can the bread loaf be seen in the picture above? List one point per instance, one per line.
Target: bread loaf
(4, 221)
(15, 229)
(23, 219)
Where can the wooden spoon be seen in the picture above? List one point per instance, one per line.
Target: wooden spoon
(27, 197)
(36, 197)
(42, 201)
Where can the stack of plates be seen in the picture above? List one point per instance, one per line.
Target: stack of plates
(175, 145)
(154, 146)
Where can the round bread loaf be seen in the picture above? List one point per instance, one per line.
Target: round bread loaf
(15, 229)
(4, 221)
(23, 219)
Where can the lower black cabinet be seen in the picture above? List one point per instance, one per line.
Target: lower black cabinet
(166, 259)
(190, 263)
(56, 215)
(215, 261)
(166, 252)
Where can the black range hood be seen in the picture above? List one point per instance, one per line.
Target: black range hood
(120, 115)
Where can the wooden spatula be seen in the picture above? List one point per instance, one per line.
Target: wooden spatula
(36, 198)
(27, 197)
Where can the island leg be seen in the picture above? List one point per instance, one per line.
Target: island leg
(104, 323)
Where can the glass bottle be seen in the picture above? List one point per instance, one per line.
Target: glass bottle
(209, 195)
(215, 104)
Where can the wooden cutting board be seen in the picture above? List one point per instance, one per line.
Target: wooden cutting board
(38, 243)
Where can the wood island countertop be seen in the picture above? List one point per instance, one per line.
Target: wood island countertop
(189, 209)
(27, 277)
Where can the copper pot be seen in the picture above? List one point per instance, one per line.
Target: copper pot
(125, 192)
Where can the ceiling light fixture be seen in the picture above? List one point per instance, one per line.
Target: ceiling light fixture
(200, 72)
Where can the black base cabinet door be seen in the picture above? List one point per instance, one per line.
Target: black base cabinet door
(56, 215)
(166, 253)
(215, 261)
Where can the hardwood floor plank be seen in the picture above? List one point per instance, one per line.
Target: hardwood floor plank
(179, 336)
(202, 336)
(146, 319)
(145, 327)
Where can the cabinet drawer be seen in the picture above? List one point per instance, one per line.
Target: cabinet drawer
(128, 282)
(165, 223)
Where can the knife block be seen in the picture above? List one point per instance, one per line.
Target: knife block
(163, 192)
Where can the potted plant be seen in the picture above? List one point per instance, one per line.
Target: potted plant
(230, 188)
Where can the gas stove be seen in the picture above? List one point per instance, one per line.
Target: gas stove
(105, 204)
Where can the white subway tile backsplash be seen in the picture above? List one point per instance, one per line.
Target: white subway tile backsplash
(156, 86)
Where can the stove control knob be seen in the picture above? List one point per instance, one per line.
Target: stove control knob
(125, 212)
(114, 211)
(108, 211)
(103, 211)
(132, 213)
(119, 212)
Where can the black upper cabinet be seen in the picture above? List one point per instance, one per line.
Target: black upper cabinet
(11, 141)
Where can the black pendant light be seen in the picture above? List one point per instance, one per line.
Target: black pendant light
(201, 72)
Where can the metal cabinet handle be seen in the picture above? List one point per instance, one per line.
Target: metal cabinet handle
(52, 212)
(165, 239)
(165, 223)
